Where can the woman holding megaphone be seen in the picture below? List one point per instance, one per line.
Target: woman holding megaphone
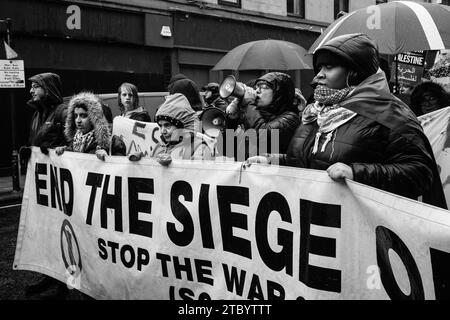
(267, 108)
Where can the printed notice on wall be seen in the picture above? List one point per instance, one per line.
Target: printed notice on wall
(12, 74)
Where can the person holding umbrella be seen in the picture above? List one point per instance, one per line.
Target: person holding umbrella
(356, 129)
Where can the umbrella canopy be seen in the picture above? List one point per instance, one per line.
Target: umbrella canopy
(266, 55)
(397, 26)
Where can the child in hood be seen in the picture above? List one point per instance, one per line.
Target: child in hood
(177, 121)
(87, 129)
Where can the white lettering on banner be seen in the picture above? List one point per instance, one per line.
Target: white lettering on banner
(196, 230)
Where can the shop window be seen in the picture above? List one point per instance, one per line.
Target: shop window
(296, 7)
(234, 3)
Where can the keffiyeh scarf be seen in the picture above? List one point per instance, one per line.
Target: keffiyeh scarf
(327, 112)
(82, 141)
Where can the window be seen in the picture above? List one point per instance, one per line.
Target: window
(296, 7)
(340, 5)
(234, 3)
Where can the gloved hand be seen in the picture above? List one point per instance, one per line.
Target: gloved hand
(249, 95)
(232, 110)
(101, 154)
(136, 156)
(164, 159)
(44, 147)
(25, 153)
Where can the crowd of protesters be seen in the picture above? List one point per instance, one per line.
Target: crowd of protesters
(353, 127)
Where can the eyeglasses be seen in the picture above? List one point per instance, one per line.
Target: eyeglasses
(263, 85)
(35, 86)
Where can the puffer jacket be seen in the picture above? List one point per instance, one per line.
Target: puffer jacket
(384, 145)
(47, 123)
(97, 118)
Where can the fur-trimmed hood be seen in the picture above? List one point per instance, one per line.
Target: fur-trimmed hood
(95, 114)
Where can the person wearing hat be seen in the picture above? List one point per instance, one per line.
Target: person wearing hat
(212, 97)
(47, 123)
(46, 132)
(179, 140)
(190, 90)
(270, 108)
(356, 129)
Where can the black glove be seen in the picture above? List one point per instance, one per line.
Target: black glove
(44, 148)
(25, 153)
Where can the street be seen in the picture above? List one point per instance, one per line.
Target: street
(13, 282)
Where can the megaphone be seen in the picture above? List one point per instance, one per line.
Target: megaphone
(213, 121)
(230, 87)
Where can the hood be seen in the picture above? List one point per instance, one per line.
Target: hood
(175, 78)
(189, 89)
(177, 110)
(435, 89)
(95, 114)
(283, 92)
(51, 82)
(372, 99)
(357, 51)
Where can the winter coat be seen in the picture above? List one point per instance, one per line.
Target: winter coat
(97, 118)
(185, 142)
(47, 123)
(384, 145)
(281, 114)
(138, 114)
(191, 147)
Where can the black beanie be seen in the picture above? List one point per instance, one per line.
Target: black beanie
(355, 51)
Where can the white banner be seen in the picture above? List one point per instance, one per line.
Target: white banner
(436, 126)
(138, 136)
(122, 230)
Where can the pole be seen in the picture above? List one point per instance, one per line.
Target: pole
(396, 74)
(15, 154)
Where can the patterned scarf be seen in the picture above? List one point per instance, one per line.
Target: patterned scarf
(327, 112)
(82, 141)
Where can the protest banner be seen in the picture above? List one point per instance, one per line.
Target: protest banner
(436, 126)
(138, 136)
(209, 230)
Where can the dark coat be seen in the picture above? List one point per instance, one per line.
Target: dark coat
(384, 145)
(47, 123)
(281, 115)
(142, 116)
